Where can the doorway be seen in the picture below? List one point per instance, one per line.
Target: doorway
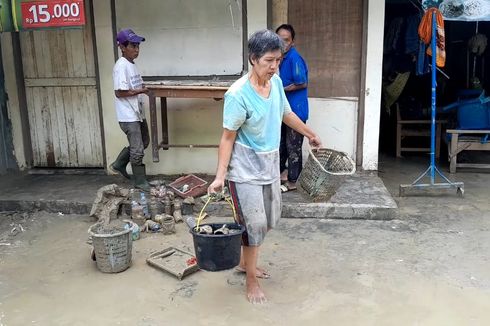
(62, 97)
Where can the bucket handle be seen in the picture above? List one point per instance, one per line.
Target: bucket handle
(211, 197)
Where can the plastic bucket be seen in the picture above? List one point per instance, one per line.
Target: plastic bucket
(218, 252)
(112, 251)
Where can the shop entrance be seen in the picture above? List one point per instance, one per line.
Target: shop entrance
(405, 111)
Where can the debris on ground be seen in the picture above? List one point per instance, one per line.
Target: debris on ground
(151, 226)
(187, 206)
(191, 222)
(161, 223)
(17, 229)
(107, 203)
(177, 211)
(11, 225)
(189, 200)
(159, 191)
(135, 229)
(174, 261)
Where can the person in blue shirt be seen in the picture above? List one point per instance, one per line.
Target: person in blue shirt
(255, 106)
(294, 74)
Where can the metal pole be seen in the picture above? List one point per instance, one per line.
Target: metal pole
(433, 103)
(432, 169)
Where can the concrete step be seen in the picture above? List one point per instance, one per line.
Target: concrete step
(361, 196)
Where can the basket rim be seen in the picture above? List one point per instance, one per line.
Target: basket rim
(353, 170)
(106, 235)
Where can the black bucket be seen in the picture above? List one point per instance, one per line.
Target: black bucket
(218, 252)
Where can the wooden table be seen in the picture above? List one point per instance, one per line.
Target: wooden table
(466, 140)
(178, 89)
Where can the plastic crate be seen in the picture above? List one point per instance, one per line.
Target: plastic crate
(473, 116)
(195, 186)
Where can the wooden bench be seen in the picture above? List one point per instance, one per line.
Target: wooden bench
(466, 140)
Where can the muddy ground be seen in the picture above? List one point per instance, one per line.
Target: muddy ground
(431, 270)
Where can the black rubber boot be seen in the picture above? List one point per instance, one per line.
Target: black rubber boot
(139, 177)
(119, 165)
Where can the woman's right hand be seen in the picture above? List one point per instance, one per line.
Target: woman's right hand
(216, 186)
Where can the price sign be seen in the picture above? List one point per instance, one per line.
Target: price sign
(54, 13)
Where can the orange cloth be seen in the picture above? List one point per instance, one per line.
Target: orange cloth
(425, 33)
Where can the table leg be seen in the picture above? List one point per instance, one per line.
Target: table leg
(163, 107)
(398, 140)
(453, 153)
(154, 127)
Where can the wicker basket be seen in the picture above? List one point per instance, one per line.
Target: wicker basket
(112, 251)
(324, 172)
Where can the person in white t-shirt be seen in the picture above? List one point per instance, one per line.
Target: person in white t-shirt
(128, 91)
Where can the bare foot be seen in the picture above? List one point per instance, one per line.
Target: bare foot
(284, 176)
(259, 272)
(255, 295)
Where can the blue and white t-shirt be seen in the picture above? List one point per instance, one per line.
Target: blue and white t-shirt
(257, 120)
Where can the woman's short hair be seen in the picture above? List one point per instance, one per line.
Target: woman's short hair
(261, 42)
(287, 27)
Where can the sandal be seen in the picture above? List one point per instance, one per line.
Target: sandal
(285, 188)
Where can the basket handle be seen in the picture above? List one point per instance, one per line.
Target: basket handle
(334, 173)
(211, 197)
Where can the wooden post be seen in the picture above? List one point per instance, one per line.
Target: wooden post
(163, 107)
(154, 127)
(453, 153)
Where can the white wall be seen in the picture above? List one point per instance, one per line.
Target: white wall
(372, 91)
(190, 120)
(183, 37)
(257, 15)
(335, 121)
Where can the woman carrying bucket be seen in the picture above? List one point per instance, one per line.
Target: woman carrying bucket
(248, 156)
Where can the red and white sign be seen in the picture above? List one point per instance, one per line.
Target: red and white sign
(54, 13)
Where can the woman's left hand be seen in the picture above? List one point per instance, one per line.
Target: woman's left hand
(315, 142)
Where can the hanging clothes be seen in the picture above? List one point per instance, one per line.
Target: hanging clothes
(411, 34)
(422, 67)
(393, 35)
(425, 33)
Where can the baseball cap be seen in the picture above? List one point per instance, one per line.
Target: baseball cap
(127, 35)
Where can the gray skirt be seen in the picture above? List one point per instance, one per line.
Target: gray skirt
(258, 208)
